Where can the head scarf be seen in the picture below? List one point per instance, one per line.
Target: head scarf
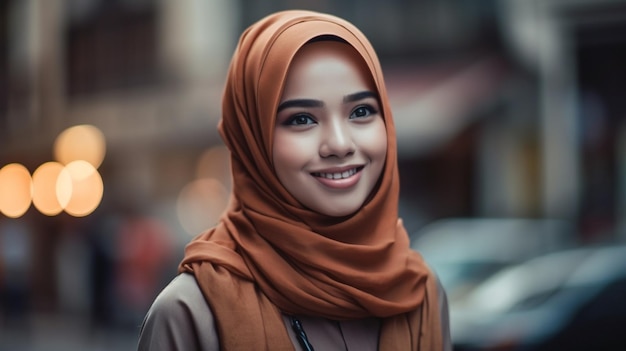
(269, 254)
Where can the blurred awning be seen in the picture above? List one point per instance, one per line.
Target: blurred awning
(432, 104)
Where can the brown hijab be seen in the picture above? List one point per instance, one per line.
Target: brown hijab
(268, 254)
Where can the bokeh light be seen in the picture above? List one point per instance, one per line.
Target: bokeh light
(15, 190)
(44, 188)
(200, 204)
(215, 163)
(79, 188)
(81, 142)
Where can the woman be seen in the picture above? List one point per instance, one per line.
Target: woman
(311, 253)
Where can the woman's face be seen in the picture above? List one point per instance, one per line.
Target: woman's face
(330, 141)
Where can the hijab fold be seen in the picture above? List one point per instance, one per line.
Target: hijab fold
(270, 255)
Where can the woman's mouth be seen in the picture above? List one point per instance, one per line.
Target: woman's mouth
(337, 175)
(339, 180)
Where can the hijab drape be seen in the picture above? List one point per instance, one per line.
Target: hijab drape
(270, 255)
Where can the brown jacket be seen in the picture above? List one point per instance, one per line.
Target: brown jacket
(180, 319)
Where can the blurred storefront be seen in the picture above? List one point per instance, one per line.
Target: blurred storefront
(504, 108)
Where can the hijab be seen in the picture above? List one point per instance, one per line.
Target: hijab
(269, 254)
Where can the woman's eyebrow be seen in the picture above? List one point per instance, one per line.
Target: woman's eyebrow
(300, 103)
(317, 103)
(359, 96)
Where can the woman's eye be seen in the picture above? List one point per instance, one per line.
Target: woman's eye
(299, 120)
(362, 111)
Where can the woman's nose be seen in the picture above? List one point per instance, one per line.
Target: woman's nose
(336, 140)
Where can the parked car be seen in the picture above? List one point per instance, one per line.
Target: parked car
(567, 300)
(466, 251)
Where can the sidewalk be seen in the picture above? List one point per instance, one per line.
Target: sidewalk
(51, 333)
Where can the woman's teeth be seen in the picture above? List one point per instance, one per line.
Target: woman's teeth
(339, 175)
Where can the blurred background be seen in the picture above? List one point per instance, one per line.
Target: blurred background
(511, 127)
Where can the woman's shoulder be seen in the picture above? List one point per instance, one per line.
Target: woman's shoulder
(181, 293)
(179, 318)
(442, 299)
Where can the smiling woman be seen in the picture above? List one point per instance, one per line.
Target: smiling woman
(310, 253)
(330, 139)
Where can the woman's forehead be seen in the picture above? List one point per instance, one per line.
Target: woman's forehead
(330, 61)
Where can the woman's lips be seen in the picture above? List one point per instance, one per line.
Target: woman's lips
(339, 179)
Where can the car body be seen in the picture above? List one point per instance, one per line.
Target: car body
(566, 300)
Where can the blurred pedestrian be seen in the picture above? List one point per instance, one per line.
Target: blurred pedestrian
(310, 253)
(15, 273)
(144, 248)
